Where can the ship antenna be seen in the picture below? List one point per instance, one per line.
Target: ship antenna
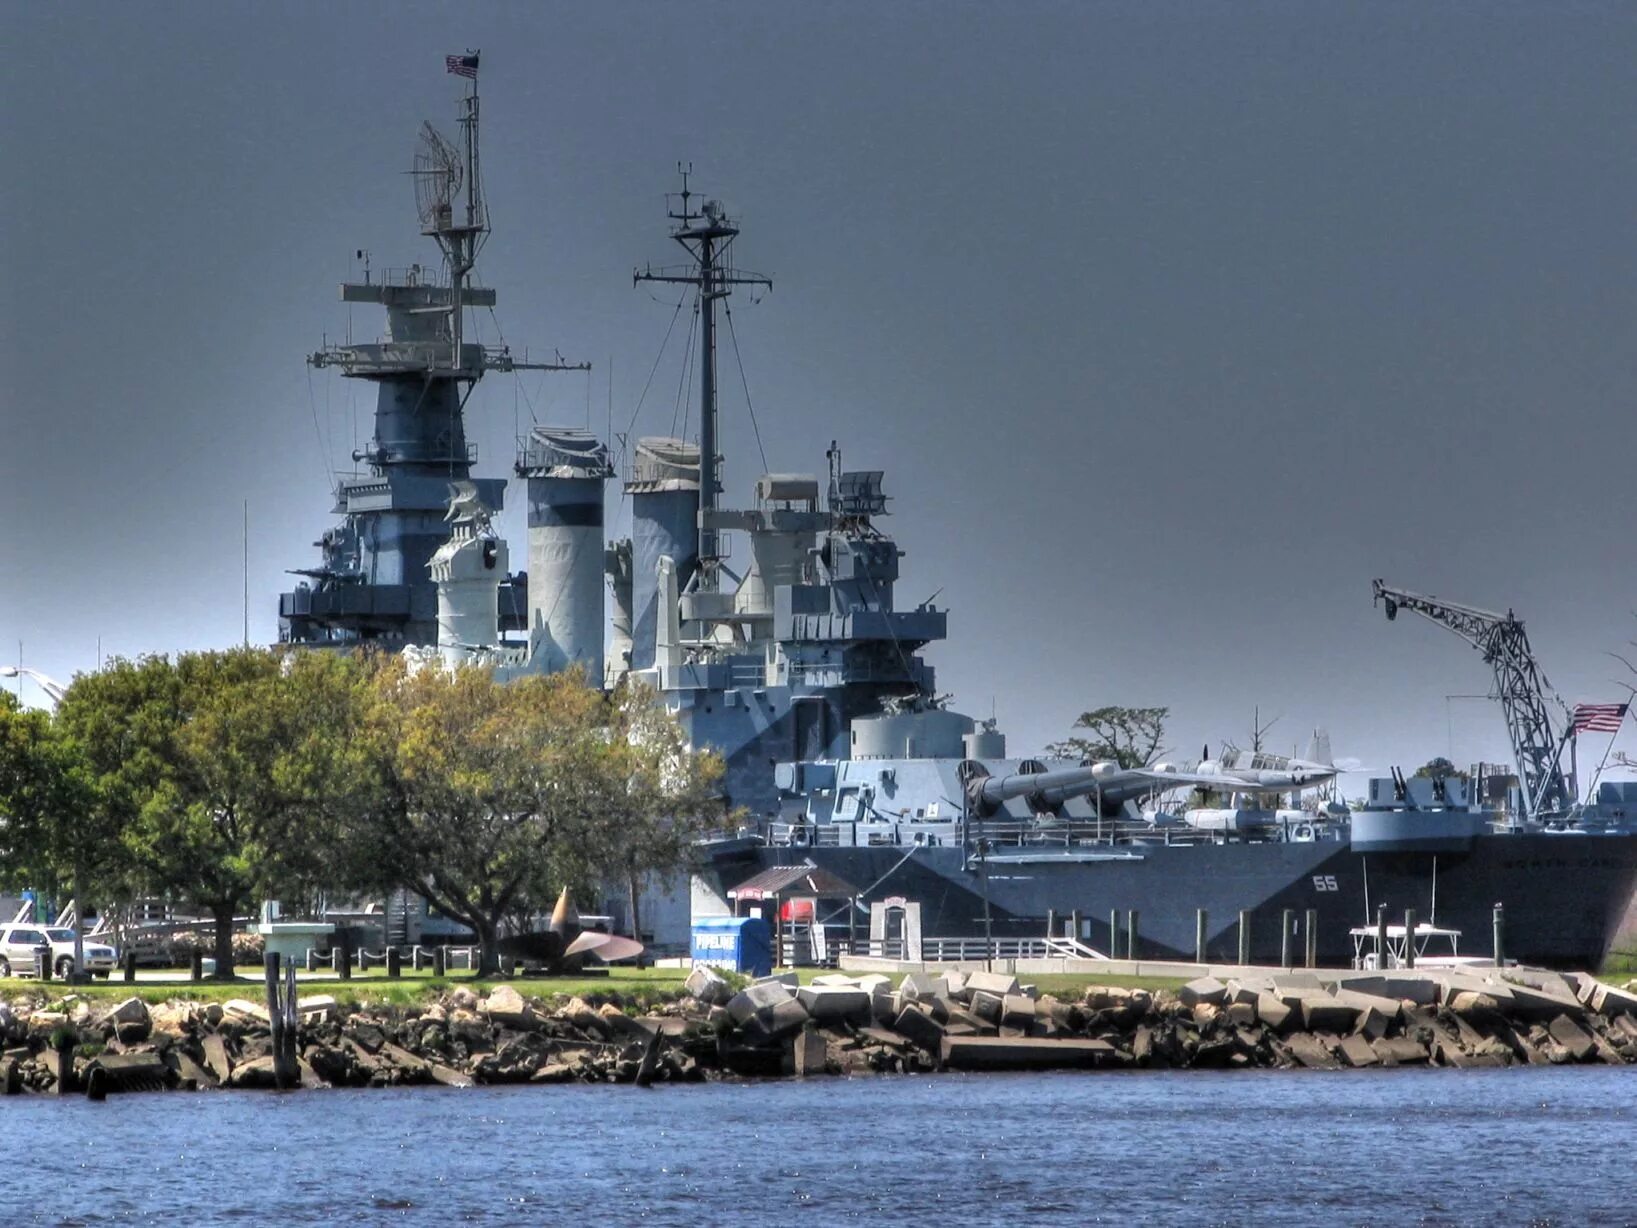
(707, 236)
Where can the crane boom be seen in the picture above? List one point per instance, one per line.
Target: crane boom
(1519, 684)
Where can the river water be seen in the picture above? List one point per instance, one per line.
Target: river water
(1532, 1146)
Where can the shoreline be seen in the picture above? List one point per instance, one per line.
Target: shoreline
(837, 1025)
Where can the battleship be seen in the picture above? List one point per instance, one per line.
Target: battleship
(858, 798)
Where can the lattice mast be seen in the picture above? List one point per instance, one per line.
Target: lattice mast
(707, 236)
(1520, 685)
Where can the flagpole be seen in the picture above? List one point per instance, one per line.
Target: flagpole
(1603, 760)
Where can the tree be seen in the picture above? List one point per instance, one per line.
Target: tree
(1439, 769)
(657, 798)
(1127, 736)
(212, 769)
(489, 797)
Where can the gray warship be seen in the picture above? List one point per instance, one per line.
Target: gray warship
(859, 797)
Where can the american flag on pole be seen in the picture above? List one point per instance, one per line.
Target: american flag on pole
(1599, 718)
(461, 65)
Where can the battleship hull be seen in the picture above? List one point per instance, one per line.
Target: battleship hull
(1570, 901)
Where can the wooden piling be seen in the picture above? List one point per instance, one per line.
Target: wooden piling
(440, 962)
(1409, 937)
(1114, 933)
(1287, 923)
(1244, 937)
(1200, 930)
(1310, 931)
(1381, 938)
(129, 962)
(343, 959)
(1131, 934)
(96, 1084)
(395, 963)
(1500, 935)
(196, 967)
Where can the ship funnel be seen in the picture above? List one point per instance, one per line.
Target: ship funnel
(565, 469)
(467, 570)
(664, 490)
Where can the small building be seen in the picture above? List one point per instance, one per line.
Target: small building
(808, 908)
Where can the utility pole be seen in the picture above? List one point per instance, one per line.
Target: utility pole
(707, 236)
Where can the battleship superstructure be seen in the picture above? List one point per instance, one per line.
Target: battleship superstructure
(800, 669)
(372, 583)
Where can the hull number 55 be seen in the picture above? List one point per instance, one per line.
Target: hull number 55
(1325, 882)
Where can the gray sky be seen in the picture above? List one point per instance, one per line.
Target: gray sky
(1172, 325)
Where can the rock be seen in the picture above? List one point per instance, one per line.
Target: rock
(321, 1008)
(827, 1003)
(1403, 986)
(249, 1014)
(786, 1017)
(507, 1007)
(760, 997)
(1307, 1050)
(997, 984)
(130, 1020)
(1607, 1000)
(955, 983)
(1206, 1015)
(449, 1077)
(1399, 1051)
(172, 1018)
(1023, 1053)
(1242, 1014)
(434, 1014)
(917, 985)
(788, 979)
(1472, 1004)
(1323, 1013)
(1372, 1024)
(553, 1072)
(1574, 1039)
(258, 1072)
(1274, 1012)
(216, 1057)
(708, 985)
(1017, 1011)
(808, 1054)
(1207, 989)
(917, 1023)
(187, 1070)
(987, 1006)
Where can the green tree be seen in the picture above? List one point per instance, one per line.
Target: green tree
(1127, 736)
(213, 769)
(1439, 768)
(489, 798)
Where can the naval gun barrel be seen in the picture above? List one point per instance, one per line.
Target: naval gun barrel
(1047, 788)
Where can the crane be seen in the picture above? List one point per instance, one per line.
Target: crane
(1519, 684)
(54, 689)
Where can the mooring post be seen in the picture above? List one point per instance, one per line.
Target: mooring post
(1244, 937)
(129, 961)
(1199, 935)
(1114, 933)
(275, 1015)
(419, 958)
(1287, 923)
(395, 964)
(1310, 927)
(1409, 937)
(343, 959)
(1500, 935)
(196, 967)
(1381, 938)
(440, 962)
(1131, 934)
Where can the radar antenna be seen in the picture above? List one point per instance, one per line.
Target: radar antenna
(438, 175)
(1519, 684)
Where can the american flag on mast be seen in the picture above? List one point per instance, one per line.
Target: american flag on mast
(462, 65)
(1599, 718)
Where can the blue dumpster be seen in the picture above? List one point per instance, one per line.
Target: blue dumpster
(744, 944)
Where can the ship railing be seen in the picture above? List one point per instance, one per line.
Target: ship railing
(971, 950)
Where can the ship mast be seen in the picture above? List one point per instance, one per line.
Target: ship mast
(707, 236)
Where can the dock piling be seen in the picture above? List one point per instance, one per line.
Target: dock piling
(1199, 935)
(1310, 927)
(1409, 937)
(1286, 924)
(1381, 937)
(1114, 933)
(1500, 935)
(1244, 937)
(1131, 934)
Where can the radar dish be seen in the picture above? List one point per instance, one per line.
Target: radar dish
(438, 173)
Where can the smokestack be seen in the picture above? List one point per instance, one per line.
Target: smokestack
(664, 490)
(566, 469)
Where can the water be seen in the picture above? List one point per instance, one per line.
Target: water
(1550, 1146)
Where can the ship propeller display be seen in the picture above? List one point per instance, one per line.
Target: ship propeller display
(565, 944)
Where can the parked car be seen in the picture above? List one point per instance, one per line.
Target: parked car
(18, 942)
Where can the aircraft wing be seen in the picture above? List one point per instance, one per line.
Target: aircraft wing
(1133, 782)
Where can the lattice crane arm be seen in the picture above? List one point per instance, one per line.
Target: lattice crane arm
(1519, 684)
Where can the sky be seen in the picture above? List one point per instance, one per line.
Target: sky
(1172, 325)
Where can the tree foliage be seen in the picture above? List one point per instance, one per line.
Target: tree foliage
(1439, 768)
(1126, 736)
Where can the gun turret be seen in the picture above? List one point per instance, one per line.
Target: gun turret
(1046, 790)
